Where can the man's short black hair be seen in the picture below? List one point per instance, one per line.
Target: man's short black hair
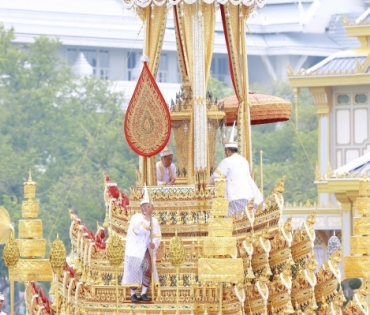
(234, 150)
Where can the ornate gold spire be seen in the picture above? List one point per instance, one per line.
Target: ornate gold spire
(29, 188)
(32, 247)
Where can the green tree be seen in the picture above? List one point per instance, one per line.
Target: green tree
(287, 151)
(66, 130)
(218, 89)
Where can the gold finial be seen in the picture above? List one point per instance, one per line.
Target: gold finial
(329, 171)
(311, 219)
(296, 98)
(57, 255)
(177, 251)
(290, 70)
(279, 188)
(288, 225)
(345, 20)
(336, 256)
(11, 252)
(29, 188)
(250, 274)
(115, 250)
(317, 172)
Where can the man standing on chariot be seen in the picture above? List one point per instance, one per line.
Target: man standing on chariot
(143, 240)
(240, 187)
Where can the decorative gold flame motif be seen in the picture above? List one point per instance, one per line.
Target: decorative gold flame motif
(115, 250)
(11, 252)
(57, 255)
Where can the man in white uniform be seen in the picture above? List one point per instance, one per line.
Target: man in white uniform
(165, 169)
(240, 187)
(2, 298)
(139, 247)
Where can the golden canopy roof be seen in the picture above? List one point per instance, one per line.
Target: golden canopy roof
(264, 109)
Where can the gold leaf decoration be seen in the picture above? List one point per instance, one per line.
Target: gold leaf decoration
(57, 255)
(115, 250)
(11, 252)
(177, 251)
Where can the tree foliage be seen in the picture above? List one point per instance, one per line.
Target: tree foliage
(66, 130)
(287, 151)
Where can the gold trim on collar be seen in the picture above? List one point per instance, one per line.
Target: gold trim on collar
(219, 173)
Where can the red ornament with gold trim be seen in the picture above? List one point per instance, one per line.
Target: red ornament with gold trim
(147, 124)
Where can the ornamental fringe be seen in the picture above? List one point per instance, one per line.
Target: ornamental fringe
(129, 4)
(200, 110)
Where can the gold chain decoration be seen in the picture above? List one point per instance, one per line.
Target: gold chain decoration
(11, 252)
(115, 250)
(57, 255)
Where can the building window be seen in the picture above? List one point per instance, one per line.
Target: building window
(220, 69)
(98, 59)
(103, 64)
(133, 65)
(360, 98)
(343, 99)
(71, 55)
(162, 70)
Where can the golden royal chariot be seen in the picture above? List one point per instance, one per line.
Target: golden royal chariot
(209, 263)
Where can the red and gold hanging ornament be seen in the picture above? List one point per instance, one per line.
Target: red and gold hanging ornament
(147, 124)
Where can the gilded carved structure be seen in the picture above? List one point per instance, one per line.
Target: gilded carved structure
(254, 263)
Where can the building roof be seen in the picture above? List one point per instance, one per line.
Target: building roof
(342, 62)
(364, 18)
(276, 29)
(296, 43)
(357, 167)
(279, 16)
(337, 33)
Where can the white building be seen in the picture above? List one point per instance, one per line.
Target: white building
(301, 32)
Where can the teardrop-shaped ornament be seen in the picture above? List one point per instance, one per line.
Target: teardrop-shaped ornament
(147, 124)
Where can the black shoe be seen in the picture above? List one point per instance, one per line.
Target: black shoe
(144, 298)
(134, 299)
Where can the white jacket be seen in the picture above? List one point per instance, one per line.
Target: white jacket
(240, 184)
